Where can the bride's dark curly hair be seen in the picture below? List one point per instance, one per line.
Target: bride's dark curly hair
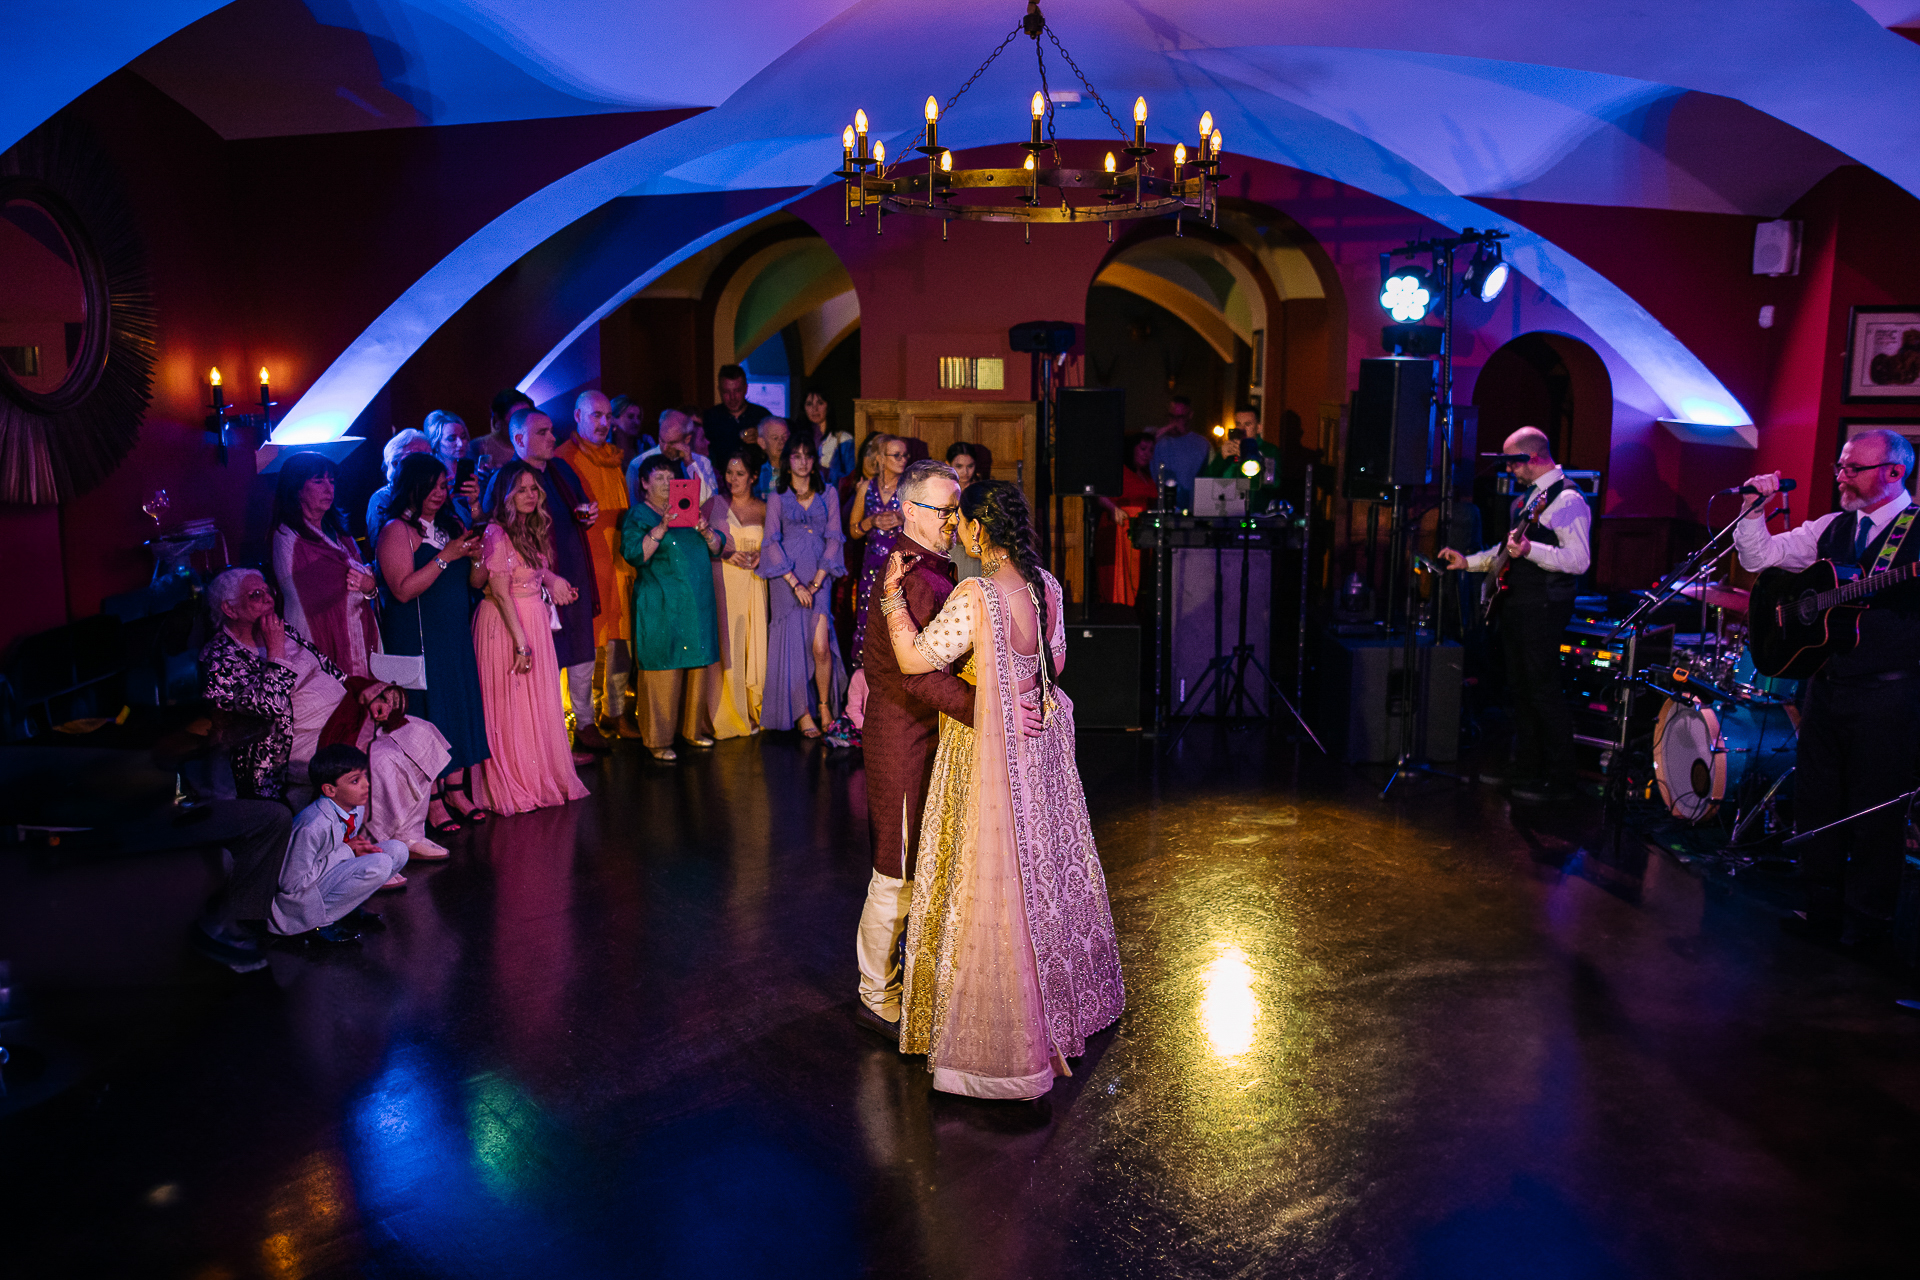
(1002, 512)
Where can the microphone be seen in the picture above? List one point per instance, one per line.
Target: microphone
(1787, 485)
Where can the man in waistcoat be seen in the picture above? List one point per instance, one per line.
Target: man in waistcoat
(1860, 730)
(1547, 557)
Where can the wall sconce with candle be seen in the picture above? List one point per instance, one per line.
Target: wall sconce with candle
(222, 420)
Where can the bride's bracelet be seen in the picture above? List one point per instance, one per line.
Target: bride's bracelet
(892, 603)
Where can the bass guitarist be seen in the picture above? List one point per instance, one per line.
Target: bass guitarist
(1860, 729)
(1545, 555)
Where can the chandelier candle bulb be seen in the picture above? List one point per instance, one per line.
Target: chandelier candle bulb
(1215, 144)
(1139, 122)
(1039, 111)
(219, 395)
(880, 155)
(933, 122)
(1206, 131)
(860, 132)
(1179, 157)
(264, 389)
(846, 145)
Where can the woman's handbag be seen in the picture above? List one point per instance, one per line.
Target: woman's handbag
(408, 670)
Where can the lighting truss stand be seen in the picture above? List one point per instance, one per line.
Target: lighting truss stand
(1418, 662)
(1226, 673)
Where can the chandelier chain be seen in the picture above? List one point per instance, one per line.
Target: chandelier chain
(1086, 84)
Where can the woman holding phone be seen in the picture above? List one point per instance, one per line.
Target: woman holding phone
(676, 633)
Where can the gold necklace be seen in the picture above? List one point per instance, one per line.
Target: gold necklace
(989, 565)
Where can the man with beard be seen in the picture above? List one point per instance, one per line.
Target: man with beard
(1860, 732)
(901, 733)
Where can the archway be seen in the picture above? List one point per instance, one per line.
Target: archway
(1556, 383)
(772, 297)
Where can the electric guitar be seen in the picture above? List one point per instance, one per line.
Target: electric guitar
(1494, 587)
(1796, 621)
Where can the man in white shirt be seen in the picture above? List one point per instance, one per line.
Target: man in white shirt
(676, 442)
(1541, 581)
(1860, 727)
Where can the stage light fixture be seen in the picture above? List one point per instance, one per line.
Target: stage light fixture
(1487, 273)
(1406, 294)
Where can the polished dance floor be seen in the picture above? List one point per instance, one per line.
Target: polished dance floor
(1424, 1037)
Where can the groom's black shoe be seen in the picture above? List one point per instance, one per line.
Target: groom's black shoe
(875, 1023)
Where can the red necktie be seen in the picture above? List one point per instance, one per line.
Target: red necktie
(349, 834)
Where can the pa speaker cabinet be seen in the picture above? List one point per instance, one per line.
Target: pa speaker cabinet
(1390, 431)
(1090, 437)
(1102, 674)
(1194, 593)
(1362, 673)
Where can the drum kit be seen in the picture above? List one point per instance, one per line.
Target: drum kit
(1726, 737)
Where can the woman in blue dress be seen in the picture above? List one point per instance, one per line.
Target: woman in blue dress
(428, 560)
(877, 518)
(800, 554)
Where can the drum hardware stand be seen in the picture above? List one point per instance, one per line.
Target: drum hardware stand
(1226, 673)
(1764, 805)
(1803, 836)
(1669, 586)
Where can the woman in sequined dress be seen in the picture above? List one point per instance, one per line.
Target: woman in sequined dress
(876, 505)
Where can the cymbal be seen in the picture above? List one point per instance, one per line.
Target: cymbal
(1717, 594)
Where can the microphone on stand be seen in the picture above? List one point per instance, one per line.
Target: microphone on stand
(1787, 485)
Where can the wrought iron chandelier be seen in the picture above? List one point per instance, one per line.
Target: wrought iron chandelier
(1039, 190)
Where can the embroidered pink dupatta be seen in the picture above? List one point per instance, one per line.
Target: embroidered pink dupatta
(1011, 955)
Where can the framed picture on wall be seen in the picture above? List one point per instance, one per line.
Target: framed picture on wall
(1259, 345)
(1883, 354)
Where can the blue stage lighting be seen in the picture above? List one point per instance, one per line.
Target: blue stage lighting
(1487, 273)
(1406, 294)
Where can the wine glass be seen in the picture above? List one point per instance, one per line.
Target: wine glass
(156, 507)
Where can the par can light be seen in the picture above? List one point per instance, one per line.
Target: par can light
(1487, 273)
(1406, 294)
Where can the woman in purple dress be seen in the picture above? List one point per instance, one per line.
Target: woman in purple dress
(800, 554)
(877, 518)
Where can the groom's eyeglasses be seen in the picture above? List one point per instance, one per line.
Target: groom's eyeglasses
(945, 513)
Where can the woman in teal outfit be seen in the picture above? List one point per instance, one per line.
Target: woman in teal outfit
(428, 560)
(676, 631)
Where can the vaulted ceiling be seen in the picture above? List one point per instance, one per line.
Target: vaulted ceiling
(1689, 105)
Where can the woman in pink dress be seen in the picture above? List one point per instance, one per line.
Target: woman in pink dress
(532, 763)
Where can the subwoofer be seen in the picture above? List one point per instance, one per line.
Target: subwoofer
(1102, 674)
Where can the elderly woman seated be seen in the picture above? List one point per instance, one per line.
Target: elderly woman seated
(271, 677)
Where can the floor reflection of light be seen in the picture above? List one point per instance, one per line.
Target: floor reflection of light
(1229, 1012)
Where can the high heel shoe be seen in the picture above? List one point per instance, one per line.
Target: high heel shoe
(453, 826)
(474, 815)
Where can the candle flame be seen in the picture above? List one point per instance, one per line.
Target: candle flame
(1110, 162)
(1206, 124)
(1029, 164)
(1139, 110)
(860, 122)
(263, 375)
(946, 162)
(846, 137)
(213, 378)
(1180, 153)
(879, 153)
(1216, 144)
(1039, 105)
(932, 110)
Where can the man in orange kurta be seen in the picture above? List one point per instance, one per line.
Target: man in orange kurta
(597, 458)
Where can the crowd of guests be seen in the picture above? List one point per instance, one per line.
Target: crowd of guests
(517, 603)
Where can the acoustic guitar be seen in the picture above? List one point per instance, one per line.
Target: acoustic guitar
(1798, 620)
(1494, 587)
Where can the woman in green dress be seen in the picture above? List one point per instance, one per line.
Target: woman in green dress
(676, 633)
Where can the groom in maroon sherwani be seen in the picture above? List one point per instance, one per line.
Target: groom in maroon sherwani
(901, 732)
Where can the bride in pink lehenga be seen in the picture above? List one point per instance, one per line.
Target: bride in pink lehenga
(1011, 961)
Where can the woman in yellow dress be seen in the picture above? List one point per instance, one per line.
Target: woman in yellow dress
(743, 610)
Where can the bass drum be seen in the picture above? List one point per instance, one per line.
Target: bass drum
(1703, 754)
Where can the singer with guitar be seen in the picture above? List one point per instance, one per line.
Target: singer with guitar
(1860, 728)
(1530, 589)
